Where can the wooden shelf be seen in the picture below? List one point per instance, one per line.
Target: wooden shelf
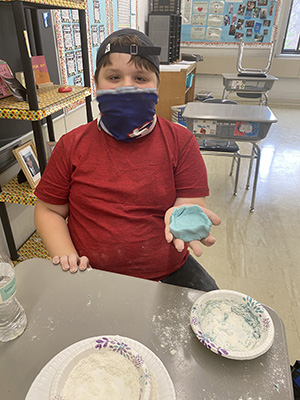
(173, 90)
(77, 4)
(17, 193)
(49, 100)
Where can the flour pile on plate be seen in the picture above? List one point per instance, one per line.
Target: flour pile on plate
(102, 376)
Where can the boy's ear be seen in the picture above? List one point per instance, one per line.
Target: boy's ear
(95, 81)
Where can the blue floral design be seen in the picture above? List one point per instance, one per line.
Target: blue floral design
(121, 348)
(254, 305)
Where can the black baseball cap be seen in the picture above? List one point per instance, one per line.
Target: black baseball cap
(146, 49)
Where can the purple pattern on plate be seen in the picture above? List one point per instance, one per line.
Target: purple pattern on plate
(207, 343)
(121, 348)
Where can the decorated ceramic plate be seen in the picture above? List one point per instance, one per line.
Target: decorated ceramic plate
(105, 367)
(232, 324)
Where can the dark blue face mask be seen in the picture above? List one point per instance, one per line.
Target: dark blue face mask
(127, 113)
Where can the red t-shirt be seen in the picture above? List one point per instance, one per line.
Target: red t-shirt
(119, 192)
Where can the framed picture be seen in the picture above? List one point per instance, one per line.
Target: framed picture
(27, 158)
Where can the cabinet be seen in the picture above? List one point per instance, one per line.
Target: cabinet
(177, 87)
(165, 31)
(42, 103)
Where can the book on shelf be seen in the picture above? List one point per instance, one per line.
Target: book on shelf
(5, 72)
(40, 72)
(9, 85)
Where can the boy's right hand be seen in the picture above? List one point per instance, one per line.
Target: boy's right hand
(72, 262)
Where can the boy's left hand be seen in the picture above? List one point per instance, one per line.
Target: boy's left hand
(195, 245)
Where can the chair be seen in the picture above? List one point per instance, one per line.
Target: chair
(225, 148)
(252, 72)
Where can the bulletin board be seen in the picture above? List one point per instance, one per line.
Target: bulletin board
(224, 22)
(103, 18)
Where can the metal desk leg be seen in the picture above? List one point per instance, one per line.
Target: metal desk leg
(238, 161)
(256, 149)
(266, 99)
(250, 167)
(224, 95)
(8, 232)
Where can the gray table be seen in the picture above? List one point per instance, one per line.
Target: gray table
(63, 309)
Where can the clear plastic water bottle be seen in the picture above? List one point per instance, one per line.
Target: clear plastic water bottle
(13, 319)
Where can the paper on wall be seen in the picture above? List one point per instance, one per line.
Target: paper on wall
(197, 33)
(213, 34)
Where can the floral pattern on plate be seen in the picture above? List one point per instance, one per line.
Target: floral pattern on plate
(232, 325)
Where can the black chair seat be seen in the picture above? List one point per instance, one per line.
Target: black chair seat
(218, 145)
(249, 95)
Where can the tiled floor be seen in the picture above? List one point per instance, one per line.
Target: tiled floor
(259, 253)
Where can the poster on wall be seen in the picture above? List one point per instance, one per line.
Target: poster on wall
(96, 7)
(127, 17)
(102, 18)
(70, 60)
(67, 35)
(75, 16)
(78, 80)
(76, 36)
(225, 22)
(79, 64)
(95, 36)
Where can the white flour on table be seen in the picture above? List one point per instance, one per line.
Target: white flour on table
(102, 376)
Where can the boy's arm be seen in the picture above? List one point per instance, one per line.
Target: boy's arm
(51, 225)
(194, 244)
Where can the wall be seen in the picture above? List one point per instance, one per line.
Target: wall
(142, 14)
(223, 60)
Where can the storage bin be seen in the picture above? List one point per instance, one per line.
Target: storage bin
(226, 121)
(249, 84)
(177, 117)
(189, 80)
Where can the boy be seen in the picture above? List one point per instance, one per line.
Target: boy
(118, 178)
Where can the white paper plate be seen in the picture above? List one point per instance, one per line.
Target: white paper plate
(102, 345)
(162, 383)
(232, 324)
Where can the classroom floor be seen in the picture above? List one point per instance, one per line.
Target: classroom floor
(259, 253)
